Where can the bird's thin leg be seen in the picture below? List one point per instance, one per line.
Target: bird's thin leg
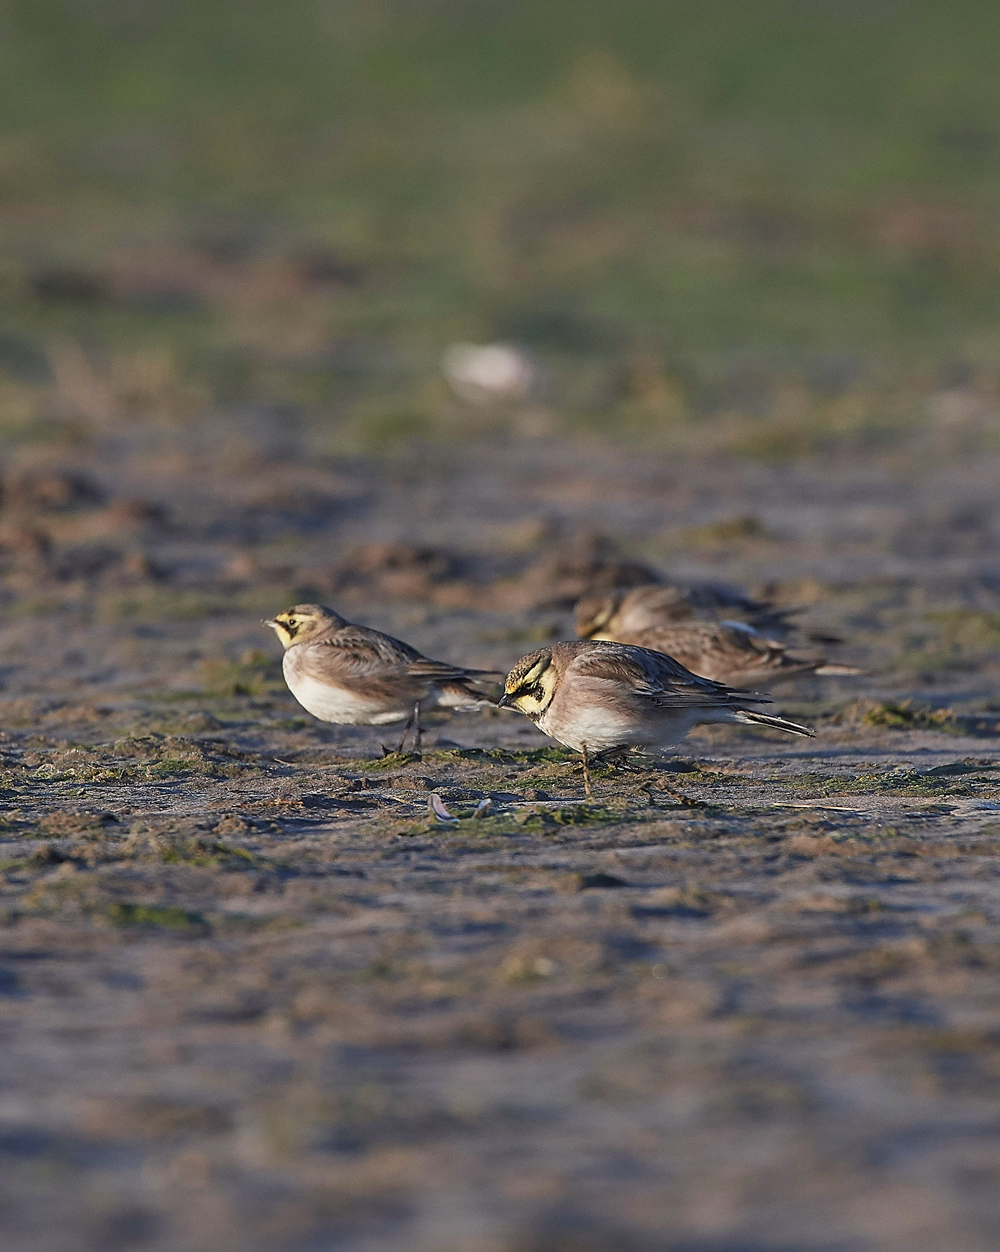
(588, 791)
(406, 728)
(419, 729)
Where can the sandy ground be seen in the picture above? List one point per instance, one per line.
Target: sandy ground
(252, 998)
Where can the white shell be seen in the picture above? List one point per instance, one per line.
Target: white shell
(479, 374)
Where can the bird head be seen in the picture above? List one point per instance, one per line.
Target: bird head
(592, 614)
(303, 623)
(530, 685)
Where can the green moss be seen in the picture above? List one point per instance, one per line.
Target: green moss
(392, 760)
(732, 530)
(204, 852)
(154, 915)
(170, 765)
(158, 604)
(254, 674)
(487, 756)
(388, 430)
(967, 630)
(904, 715)
(541, 819)
(899, 782)
(553, 754)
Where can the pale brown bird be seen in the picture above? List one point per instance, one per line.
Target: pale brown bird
(605, 698)
(610, 615)
(353, 675)
(727, 652)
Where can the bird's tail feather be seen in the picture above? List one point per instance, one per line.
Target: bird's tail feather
(828, 670)
(752, 718)
(462, 697)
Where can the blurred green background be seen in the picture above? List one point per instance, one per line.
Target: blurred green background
(750, 226)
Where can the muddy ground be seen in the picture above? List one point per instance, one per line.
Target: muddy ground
(253, 998)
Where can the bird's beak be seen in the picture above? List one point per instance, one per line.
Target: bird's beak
(505, 702)
(269, 621)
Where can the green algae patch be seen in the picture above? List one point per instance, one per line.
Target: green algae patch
(208, 852)
(391, 760)
(537, 818)
(254, 674)
(151, 915)
(484, 755)
(552, 754)
(501, 825)
(959, 779)
(905, 715)
(533, 819)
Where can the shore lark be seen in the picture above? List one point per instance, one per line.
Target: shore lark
(353, 675)
(653, 605)
(603, 698)
(727, 652)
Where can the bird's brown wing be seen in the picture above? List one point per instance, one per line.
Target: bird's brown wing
(721, 651)
(361, 648)
(359, 659)
(654, 678)
(358, 669)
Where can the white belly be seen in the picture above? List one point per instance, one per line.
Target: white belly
(601, 728)
(598, 728)
(330, 704)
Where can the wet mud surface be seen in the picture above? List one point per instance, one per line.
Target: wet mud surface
(255, 996)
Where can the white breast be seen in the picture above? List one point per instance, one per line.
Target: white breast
(596, 727)
(602, 726)
(331, 704)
